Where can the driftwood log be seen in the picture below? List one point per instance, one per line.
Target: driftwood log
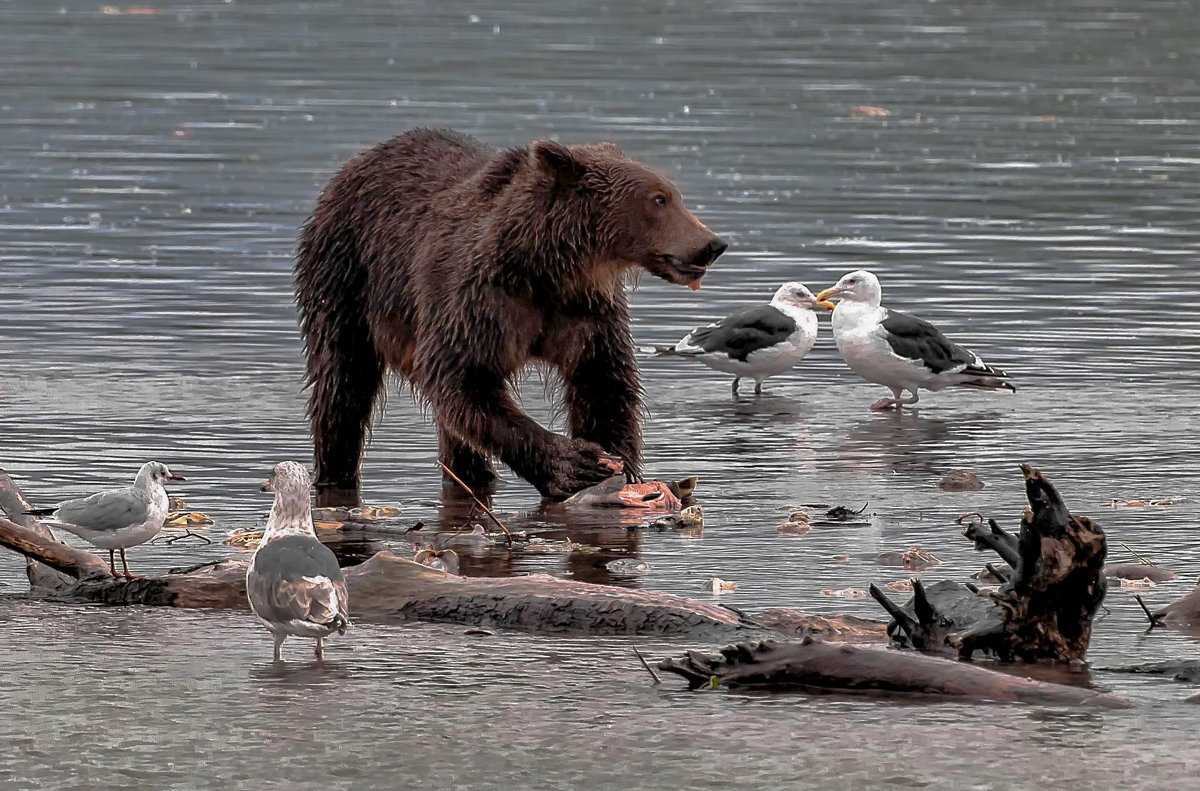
(813, 666)
(385, 587)
(388, 587)
(1043, 609)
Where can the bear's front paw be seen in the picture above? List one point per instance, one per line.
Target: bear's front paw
(578, 465)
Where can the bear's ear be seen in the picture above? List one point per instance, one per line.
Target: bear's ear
(554, 157)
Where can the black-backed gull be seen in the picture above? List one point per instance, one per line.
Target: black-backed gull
(758, 342)
(900, 351)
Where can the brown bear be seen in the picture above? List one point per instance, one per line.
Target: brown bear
(456, 264)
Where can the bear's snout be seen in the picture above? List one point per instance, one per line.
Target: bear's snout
(715, 248)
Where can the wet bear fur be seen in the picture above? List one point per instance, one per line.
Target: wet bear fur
(456, 265)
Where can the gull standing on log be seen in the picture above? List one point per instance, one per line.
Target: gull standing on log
(294, 583)
(900, 351)
(116, 519)
(758, 342)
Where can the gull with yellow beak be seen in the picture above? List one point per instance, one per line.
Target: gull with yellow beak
(900, 351)
(758, 342)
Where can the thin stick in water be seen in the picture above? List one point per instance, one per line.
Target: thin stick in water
(478, 502)
(1153, 620)
(649, 669)
(1145, 561)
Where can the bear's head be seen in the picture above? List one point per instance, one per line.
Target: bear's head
(638, 217)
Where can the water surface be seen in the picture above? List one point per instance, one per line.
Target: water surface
(1032, 191)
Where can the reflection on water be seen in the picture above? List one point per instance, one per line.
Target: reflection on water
(1031, 191)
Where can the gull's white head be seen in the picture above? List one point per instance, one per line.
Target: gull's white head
(798, 295)
(155, 472)
(857, 286)
(291, 511)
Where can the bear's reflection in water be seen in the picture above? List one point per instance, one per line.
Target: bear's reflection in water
(575, 543)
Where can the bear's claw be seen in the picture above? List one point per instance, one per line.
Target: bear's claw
(580, 464)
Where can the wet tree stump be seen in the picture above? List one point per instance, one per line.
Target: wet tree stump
(1043, 609)
(816, 667)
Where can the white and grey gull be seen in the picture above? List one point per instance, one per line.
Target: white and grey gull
(758, 342)
(294, 583)
(117, 519)
(900, 351)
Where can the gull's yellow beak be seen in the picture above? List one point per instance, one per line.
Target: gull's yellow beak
(824, 296)
(823, 303)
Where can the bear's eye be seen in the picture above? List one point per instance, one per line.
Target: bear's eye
(660, 200)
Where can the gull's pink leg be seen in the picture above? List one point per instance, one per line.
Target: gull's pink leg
(884, 404)
(125, 563)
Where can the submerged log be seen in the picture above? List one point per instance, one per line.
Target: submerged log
(388, 587)
(813, 666)
(1183, 612)
(835, 628)
(1044, 607)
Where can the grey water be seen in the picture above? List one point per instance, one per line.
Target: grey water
(1032, 190)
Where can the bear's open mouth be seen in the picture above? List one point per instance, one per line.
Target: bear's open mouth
(674, 270)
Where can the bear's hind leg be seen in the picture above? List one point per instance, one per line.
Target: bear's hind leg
(472, 467)
(345, 375)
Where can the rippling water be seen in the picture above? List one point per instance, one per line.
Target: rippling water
(1032, 191)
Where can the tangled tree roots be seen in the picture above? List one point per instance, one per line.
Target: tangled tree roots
(1043, 609)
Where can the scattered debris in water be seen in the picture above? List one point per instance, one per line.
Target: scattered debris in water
(669, 522)
(842, 558)
(187, 519)
(692, 516)
(480, 632)
(901, 586)
(960, 481)
(475, 538)
(868, 111)
(186, 534)
(548, 546)
(376, 512)
(719, 586)
(1141, 584)
(246, 538)
(441, 559)
(627, 566)
(913, 558)
(1163, 501)
(840, 513)
(845, 593)
(794, 529)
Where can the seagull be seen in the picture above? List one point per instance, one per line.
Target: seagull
(294, 583)
(900, 351)
(758, 342)
(118, 518)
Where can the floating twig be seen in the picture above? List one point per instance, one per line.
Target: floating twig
(1155, 620)
(649, 669)
(478, 502)
(186, 534)
(1145, 561)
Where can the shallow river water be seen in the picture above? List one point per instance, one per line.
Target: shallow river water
(1032, 190)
